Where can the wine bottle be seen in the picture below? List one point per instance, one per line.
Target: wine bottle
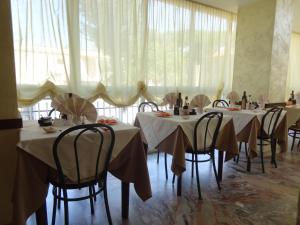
(177, 106)
(180, 100)
(244, 100)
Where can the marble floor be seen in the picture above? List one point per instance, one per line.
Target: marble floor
(245, 198)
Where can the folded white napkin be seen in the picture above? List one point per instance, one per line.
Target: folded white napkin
(74, 106)
(170, 99)
(233, 96)
(200, 101)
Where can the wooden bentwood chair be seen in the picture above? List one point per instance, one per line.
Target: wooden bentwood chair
(143, 107)
(220, 103)
(61, 182)
(294, 132)
(207, 148)
(266, 136)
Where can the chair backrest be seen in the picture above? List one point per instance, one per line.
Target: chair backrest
(105, 140)
(210, 124)
(270, 121)
(153, 106)
(275, 104)
(51, 111)
(220, 102)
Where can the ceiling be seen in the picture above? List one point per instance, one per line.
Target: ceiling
(229, 5)
(232, 5)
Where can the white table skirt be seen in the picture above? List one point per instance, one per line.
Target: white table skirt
(35, 141)
(243, 117)
(156, 129)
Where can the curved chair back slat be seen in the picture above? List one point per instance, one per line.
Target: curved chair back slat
(206, 120)
(51, 111)
(270, 121)
(220, 102)
(102, 132)
(152, 105)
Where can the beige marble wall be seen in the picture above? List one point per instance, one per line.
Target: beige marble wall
(255, 25)
(262, 46)
(280, 50)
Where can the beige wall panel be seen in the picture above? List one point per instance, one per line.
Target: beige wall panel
(8, 110)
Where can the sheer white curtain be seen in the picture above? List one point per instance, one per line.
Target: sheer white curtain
(41, 48)
(190, 48)
(293, 79)
(120, 50)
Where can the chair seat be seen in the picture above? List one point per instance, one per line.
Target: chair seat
(69, 184)
(199, 151)
(264, 137)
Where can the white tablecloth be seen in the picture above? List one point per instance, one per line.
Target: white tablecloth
(243, 117)
(35, 141)
(156, 129)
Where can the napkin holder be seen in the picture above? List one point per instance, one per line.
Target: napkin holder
(45, 121)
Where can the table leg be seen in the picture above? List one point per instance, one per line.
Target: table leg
(248, 164)
(179, 180)
(125, 200)
(41, 215)
(220, 165)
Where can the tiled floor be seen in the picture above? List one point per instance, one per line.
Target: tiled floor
(245, 198)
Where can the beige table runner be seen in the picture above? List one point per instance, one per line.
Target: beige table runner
(293, 114)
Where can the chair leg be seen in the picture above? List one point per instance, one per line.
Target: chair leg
(273, 150)
(94, 191)
(246, 150)
(59, 194)
(173, 180)
(157, 160)
(91, 200)
(66, 207)
(197, 175)
(240, 148)
(107, 206)
(193, 159)
(294, 137)
(54, 206)
(166, 165)
(215, 170)
(262, 156)
(248, 158)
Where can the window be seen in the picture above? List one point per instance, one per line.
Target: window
(121, 50)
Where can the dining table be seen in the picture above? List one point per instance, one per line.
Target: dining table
(35, 165)
(174, 134)
(247, 127)
(293, 114)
